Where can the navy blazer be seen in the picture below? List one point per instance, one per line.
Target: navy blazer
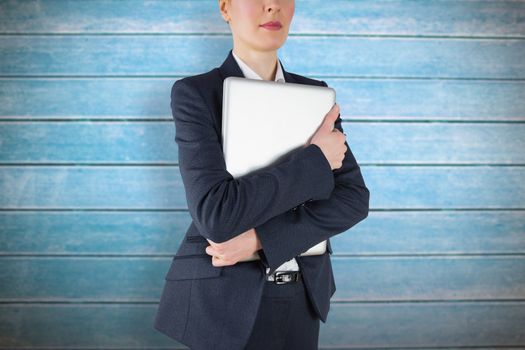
(292, 205)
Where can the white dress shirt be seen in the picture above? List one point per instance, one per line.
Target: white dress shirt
(290, 265)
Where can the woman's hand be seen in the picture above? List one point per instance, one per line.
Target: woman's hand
(235, 249)
(330, 140)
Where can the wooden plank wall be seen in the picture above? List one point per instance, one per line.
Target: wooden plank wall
(92, 205)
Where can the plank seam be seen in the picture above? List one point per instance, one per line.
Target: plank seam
(315, 76)
(167, 164)
(138, 303)
(170, 210)
(7, 255)
(359, 119)
(227, 34)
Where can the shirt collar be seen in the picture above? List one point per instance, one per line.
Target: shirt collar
(250, 74)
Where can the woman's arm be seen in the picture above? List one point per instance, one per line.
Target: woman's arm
(221, 206)
(293, 232)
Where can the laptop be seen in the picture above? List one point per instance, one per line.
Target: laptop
(263, 121)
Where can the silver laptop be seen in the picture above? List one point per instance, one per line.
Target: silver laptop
(264, 120)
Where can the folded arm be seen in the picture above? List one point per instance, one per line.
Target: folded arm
(221, 206)
(295, 231)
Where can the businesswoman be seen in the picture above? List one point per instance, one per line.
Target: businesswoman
(211, 299)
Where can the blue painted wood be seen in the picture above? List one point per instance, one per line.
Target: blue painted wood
(435, 58)
(439, 232)
(153, 142)
(445, 187)
(350, 326)
(160, 233)
(80, 326)
(420, 325)
(419, 99)
(118, 279)
(440, 274)
(150, 187)
(349, 56)
(137, 233)
(470, 18)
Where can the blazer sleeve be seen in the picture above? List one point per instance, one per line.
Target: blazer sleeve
(222, 206)
(289, 234)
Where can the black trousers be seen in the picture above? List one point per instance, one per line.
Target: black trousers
(286, 319)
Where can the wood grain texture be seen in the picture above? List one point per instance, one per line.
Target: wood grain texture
(111, 55)
(352, 326)
(149, 187)
(371, 99)
(159, 233)
(153, 143)
(361, 17)
(92, 206)
(358, 279)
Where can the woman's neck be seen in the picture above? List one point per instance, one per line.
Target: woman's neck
(264, 63)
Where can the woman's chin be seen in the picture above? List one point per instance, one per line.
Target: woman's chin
(272, 44)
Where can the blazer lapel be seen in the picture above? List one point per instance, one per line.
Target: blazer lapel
(287, 76)
(230, 68)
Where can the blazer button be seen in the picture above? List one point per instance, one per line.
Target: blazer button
(294, 209)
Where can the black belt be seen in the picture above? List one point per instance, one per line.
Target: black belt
(283, 277)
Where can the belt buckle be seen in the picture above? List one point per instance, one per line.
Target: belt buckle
(278, 279)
